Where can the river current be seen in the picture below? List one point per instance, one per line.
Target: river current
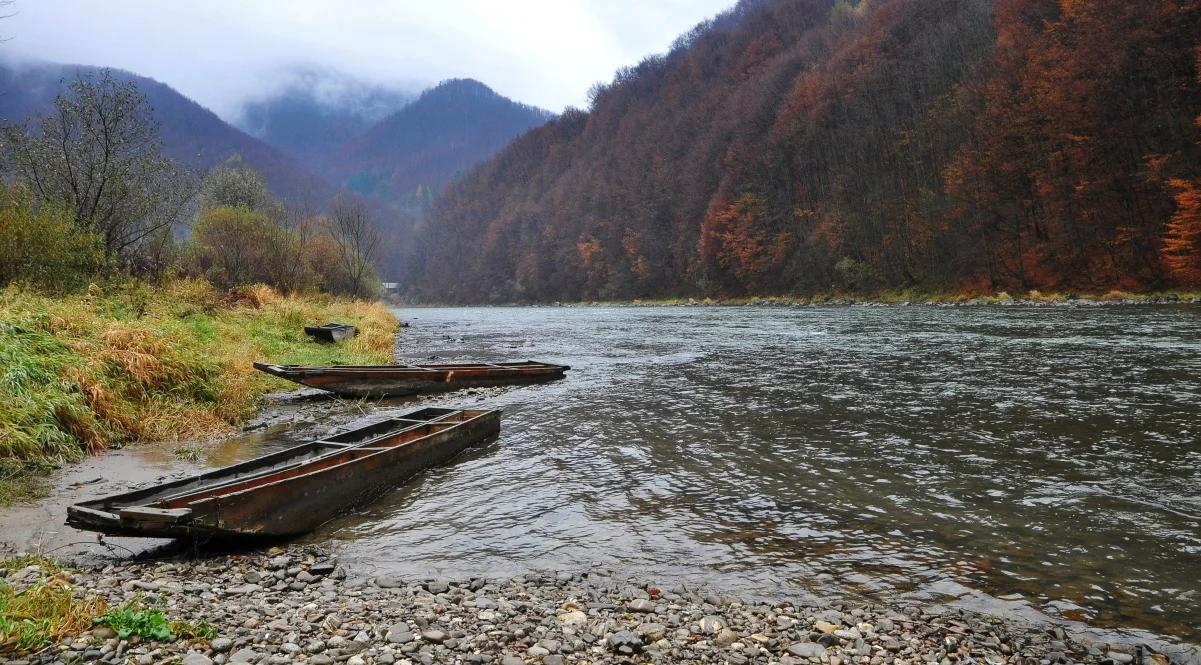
(1004, 457)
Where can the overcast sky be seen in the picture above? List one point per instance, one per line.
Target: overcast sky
(222, 52)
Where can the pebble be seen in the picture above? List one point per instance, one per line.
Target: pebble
(314, 615)
(244, 656)
(435, 636)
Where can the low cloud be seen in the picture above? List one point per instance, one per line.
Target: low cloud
(225, 52)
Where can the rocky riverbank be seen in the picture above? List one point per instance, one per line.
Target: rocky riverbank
(299, 605)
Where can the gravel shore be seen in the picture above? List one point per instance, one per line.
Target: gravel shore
(299, 605)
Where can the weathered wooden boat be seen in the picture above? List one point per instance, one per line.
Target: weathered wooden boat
(398, 380)
(292, 491)
(331, 332)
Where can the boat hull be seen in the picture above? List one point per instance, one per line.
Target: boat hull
(305, 497)
(400, 381)
(331, 333)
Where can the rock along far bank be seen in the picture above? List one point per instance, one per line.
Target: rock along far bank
(299, 605)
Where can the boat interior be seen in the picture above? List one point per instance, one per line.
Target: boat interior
(340, 454)
(371, 438)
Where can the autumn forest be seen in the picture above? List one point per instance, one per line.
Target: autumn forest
(799, 146)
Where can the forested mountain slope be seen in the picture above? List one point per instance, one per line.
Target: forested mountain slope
(190, 133)
(408, 156)
(804, 145)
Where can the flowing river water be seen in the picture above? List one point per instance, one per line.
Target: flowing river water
(1012, 459)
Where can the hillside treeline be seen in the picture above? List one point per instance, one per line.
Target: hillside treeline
(89, 194)
(809, 145)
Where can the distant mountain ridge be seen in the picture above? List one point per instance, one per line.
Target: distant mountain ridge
(190, 133)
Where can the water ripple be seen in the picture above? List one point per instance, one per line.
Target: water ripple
(1051, 453)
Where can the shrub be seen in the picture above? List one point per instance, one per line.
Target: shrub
(852, 274)
(43, 246)
(234, 246)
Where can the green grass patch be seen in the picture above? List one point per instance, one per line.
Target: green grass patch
(127, 362)
(44, 612)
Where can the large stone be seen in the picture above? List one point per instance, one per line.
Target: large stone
(511, 660)
(244, 656)
(322, 568)
(807, 650)
(435, 636)
(711, 625)
(573, 618)
(194, 658)
(726, 637)
(825, 626)
(221, 644)
(641, 605)
(651, 632)
(399, 634)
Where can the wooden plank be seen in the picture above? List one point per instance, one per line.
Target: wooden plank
(158, 515)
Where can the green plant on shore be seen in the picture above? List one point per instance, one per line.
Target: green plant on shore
(134, 618)
(193, 630)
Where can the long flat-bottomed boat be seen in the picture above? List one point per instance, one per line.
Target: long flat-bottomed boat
(400, 380)
(292, 491)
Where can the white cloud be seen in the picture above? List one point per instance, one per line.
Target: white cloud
(222, 52)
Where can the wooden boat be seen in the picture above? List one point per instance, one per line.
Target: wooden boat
(331, 332)
(292, 491)
(397, 380)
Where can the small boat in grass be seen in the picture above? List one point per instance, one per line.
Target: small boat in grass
(292, 491)
(331, 332)
(399, 380)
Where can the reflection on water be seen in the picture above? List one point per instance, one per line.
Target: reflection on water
(1051, 453)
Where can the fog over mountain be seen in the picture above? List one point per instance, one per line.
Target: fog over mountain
(316, 109)
(225, 53)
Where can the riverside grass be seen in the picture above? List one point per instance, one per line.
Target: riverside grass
(128, 362)
(45, 611)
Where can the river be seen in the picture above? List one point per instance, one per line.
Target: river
(1011, 459)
